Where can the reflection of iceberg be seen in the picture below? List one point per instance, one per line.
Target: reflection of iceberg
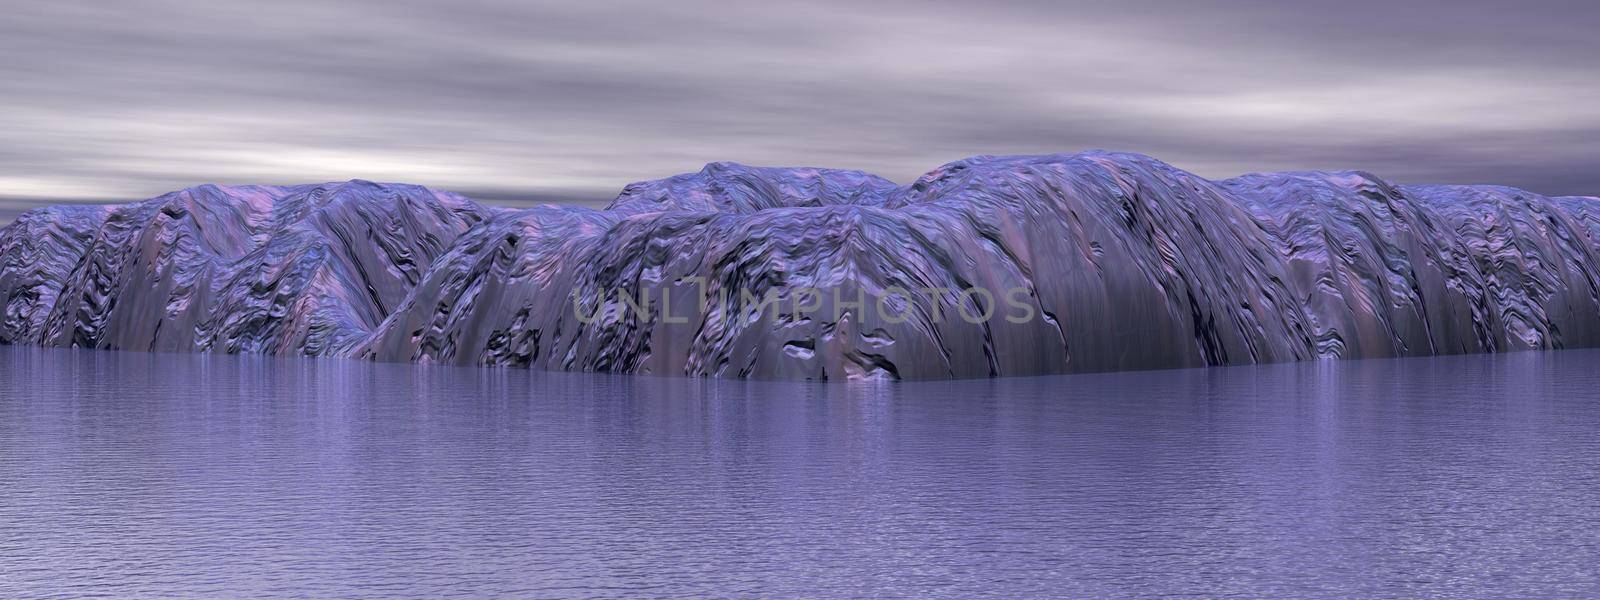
(1121, 261)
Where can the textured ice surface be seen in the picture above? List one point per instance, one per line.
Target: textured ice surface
(1122, 262)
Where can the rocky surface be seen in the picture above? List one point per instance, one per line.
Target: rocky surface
(988, 266)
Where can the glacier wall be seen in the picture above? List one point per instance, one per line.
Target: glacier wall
(988, 266)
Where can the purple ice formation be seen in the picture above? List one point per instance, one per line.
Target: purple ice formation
(1119, 261)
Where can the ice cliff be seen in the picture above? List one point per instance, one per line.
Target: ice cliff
(984, 267)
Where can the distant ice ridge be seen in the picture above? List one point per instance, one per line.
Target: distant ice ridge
(1117, 261)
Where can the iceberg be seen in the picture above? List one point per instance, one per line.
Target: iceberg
(989, 266)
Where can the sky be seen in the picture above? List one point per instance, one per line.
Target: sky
(525, 102)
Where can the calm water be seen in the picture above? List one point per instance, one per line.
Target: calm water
(147, 475)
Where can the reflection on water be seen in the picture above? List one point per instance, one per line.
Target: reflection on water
(197, 475)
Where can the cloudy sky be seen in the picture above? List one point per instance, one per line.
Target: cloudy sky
(518, 102)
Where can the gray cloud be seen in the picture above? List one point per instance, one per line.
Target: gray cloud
(529, 101)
